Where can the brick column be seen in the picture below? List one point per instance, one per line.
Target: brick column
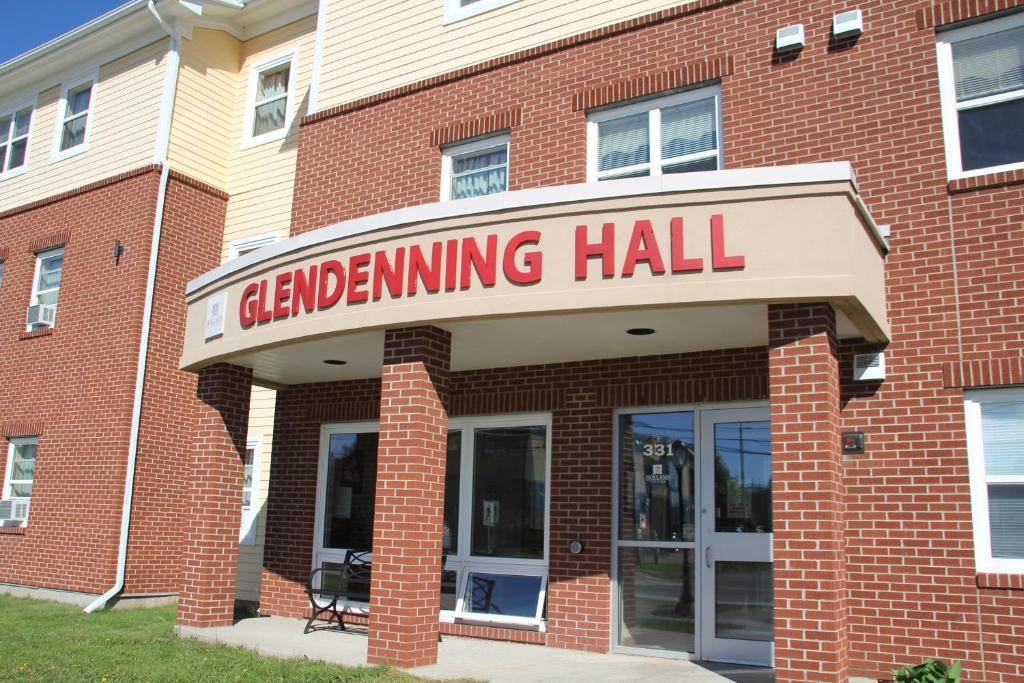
(210, 559)
(405, 593)
(807, 495)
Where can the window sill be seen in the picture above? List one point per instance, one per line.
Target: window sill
(987, 180)
(34, 334)
(1006, 581)
(13, 530)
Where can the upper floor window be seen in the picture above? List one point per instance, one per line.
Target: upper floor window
(20, 472)
(268, 114)
(981, 78)
(995, 442)
(462, 9)
(42, 310)
(674, 134)
(471, 169)
(14, 128)
(74, 114)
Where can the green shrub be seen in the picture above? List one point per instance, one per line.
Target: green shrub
(932, 671)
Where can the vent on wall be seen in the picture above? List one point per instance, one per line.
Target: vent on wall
(868, 367)
(790, 38)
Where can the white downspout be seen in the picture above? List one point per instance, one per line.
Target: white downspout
(162, 143)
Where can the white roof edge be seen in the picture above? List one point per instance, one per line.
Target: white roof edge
(740, 178)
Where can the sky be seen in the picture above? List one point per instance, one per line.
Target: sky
(30, 23)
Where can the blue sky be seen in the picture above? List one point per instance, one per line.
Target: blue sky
(27, 24)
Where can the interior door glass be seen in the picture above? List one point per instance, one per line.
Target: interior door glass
(658, 477)
(351, 489)
(509, 492)
(743, 477)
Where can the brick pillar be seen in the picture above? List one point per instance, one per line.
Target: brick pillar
(405, 593)
(807, 495)
(210, 559)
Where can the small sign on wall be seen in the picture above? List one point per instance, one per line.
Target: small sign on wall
(215, 310)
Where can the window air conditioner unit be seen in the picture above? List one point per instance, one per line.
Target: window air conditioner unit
(13, 512)
(41, 314)
(868, 367)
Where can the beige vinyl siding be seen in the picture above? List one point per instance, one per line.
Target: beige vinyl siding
(123, 127)
(202, 136)
(250, 557)
(371, 46)
(261, 178)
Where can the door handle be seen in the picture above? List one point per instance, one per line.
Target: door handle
(707, 557)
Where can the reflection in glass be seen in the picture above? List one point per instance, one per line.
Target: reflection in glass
(744, 601)
(743, 477)
(509, 491)
(351, 488)
(452, 477)
(656, 598)
(505, 594)
(658, 477)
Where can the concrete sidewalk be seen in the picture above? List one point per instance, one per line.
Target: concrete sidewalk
(484, 660)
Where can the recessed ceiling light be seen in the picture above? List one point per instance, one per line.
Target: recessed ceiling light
(640, 331)
(332, 361)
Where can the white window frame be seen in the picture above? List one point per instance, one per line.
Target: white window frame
(973, 401)
(6, 172)
(473, 146)
(454, 11)
(291, 57)
(40, 256)
(653, 107)
(9, 470)
(250, 516)
(68, 84)
(244, 245)
(947, 93)
(463, 562)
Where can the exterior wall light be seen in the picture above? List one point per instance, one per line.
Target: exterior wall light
(576, 546)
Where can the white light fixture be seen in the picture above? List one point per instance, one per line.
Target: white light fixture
(848, 24)
(790, 38)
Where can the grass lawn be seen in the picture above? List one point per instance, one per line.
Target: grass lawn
(47, 641)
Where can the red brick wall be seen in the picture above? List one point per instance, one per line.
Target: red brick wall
(580, 396)
(909, 557)
(190, 245)
(76, 384)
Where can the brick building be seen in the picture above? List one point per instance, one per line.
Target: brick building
(690, 329)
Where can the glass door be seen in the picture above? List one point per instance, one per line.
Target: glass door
(736, 537)
(655, 542)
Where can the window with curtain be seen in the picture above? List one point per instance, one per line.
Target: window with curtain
(75, 120)
(675, 134)
(270, 91)
(995, 428)
(14, 129)
(475, 168)
(982, 79)
(46, 288)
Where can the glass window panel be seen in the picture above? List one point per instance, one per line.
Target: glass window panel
(1003, 437)
(23, 490)
(623, 142)
(50, 269)
(1005, 512)
(490, 158)
(24, 464)
(1, 273)
(658, 477)
(743, 477)
(3, 155)
(269, 117)
(351, 489)
(480, 183)
(21, 122)
(989, 65)
(273, 83)
(449, 586)
(47, 298)
(452, 478)
(353, 581)
(509, 595)
(744, 601)
(247, 478)
(709, 164)
(74, 133)
(688, 128)
(17, 154)
(509, 492)
(5, 129)
(656, 598)
(78, 100)
(992, 135)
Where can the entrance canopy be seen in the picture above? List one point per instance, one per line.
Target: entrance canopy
(550, 275)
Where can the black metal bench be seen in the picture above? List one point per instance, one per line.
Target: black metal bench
(327, 586)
